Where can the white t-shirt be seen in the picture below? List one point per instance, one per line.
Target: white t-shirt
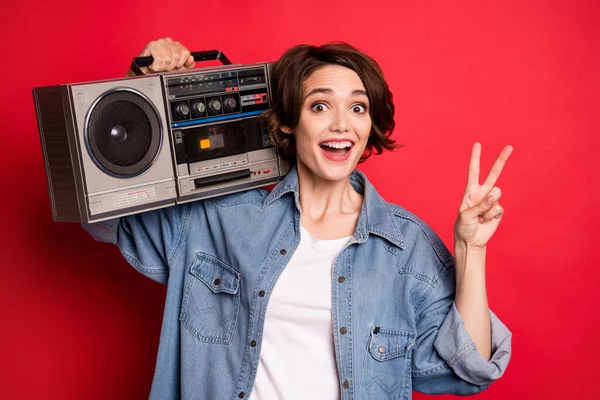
(297, 358)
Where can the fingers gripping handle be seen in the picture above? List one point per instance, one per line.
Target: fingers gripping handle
(138, 62)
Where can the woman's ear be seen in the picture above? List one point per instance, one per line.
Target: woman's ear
(285, 129)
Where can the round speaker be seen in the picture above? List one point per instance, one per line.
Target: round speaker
(123, 132)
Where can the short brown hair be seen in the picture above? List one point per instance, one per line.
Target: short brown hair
(296, 65)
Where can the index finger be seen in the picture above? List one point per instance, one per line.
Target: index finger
(496, 169)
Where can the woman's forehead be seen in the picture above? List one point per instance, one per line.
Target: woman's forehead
(336, 79)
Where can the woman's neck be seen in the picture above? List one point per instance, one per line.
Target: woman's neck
(323, 201)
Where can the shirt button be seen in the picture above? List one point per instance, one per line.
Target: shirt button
(261, 293)
(253, 343)
(241, 395)
(381, 349)
(343, 330)
(217, 281)
(283, 252)
(341, 279)
(346, 384)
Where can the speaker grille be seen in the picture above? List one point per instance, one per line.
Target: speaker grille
(123, 133)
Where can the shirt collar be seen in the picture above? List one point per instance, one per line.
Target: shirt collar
(375, 217)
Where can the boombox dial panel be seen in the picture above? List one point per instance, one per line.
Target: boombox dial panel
(201, 98)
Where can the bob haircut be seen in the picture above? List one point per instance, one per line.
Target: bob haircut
(296, 65)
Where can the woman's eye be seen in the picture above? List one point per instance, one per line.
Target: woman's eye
(319, 107)
(359, 108)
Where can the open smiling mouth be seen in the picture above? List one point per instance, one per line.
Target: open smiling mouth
(337, 148)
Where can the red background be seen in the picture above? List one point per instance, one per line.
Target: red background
(79, 323)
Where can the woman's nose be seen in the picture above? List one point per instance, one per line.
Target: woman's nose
(338, 122)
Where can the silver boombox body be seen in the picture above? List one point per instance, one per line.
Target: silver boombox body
(118, 147)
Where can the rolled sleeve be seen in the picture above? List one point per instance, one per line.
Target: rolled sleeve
(457, 349)
(445, 358)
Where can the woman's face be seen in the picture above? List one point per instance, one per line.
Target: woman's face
(334, 125)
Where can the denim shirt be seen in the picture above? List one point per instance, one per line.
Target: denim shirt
(396, 327)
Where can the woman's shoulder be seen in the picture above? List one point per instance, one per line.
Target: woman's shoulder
(416, 232)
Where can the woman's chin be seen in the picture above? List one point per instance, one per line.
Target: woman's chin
(335, 172)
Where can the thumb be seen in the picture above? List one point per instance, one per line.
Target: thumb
(190, 62)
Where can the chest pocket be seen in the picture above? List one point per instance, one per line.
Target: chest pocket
(211, 300)
(387, 364)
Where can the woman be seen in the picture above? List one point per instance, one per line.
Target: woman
(319, 289)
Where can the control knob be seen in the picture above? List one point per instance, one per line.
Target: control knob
(199, 107)
(215, 105)
(230, 103)
(182, 110)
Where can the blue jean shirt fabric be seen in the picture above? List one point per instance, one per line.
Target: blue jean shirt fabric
(396, 327)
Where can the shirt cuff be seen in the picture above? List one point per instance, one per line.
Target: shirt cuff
(457, 349)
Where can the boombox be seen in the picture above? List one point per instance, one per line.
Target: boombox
(123, 146)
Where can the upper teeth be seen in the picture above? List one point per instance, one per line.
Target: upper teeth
(337, 145)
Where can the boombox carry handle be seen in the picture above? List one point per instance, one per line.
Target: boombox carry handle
(139, 62)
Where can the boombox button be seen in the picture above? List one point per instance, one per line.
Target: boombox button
(266, 171)
(96, 206)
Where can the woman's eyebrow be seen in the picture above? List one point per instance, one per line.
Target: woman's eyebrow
(357, 92)
(318, 90)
